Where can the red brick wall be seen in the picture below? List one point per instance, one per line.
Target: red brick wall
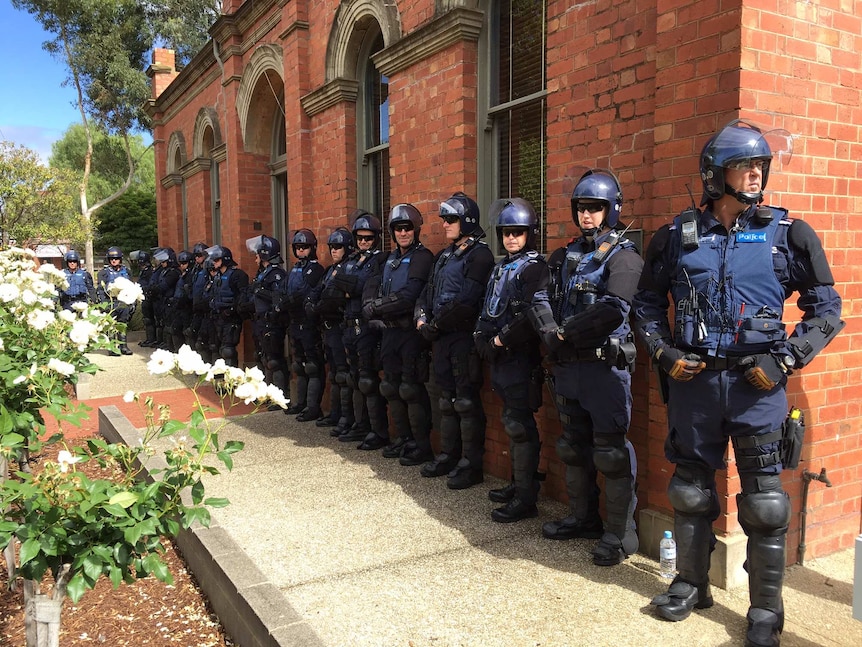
(634, 85)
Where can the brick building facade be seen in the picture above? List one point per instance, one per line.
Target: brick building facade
(298, 112)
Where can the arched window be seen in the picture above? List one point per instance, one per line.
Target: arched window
(513, 75)
(372, 120)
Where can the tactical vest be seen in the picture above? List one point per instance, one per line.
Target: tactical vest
(223, 296)
(726, 300)
(269, 280)
(396, 271)
(502, 298)
(77, 283)
(449, 272)
(360, 265)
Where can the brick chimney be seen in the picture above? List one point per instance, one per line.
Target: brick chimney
(162, 70)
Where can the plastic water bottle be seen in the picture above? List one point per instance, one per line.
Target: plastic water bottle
(667, 553)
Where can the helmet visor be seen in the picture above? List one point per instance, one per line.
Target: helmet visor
(161, 256)
(253, 245)
(739, 143)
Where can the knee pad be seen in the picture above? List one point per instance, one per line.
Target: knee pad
(272, 364)
(611, 457)
(298, 368)
(464, 406)
(514, 428)
(312, 369)
(446, 407)
(765, 513)
(228, 354)
(388, 390)
(570, 454)
(342, 377)
(368, 385)
(409, 391)
(688, 498)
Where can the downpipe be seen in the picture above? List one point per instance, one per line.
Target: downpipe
(807, 477)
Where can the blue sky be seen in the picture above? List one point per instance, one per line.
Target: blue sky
(35, 107)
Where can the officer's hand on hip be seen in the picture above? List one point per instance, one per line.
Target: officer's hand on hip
(678, 365)
(765, 371)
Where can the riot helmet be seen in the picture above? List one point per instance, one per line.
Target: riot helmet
(185, 256)
(140, 257)
(165, 255)
(364, 220)
(341, 236)
(114, 253)
(464, 209)
(305, 237)
(405, 213)
(739, 145)
(515, 212)
(72, 257)
(266, 247)
(601, 185)
(219, 252)
(199, 248)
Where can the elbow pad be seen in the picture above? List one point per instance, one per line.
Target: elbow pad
(812, 336)
(542, 318)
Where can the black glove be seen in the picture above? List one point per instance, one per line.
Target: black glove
(429, 332)
(678, 365)
(310, 310)
(368, 311)
(552, 340)
(766, 371)
(376, 324)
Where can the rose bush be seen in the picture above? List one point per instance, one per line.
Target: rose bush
(71, 527)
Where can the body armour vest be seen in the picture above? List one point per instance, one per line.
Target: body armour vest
(362, 266)
(584, 280)
(396, 271)
(77, 283)
(727, 297)
(297, 288)
(267, 281)
(223, 296)
(449, 272)
(502, 298)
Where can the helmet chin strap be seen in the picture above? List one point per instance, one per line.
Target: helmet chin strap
(591, 233)
(743, 197)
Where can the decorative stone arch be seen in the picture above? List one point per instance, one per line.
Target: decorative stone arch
(207, 119)
(261, 91)
(176, 157)
(352, 20)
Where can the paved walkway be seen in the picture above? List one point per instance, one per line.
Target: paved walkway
(347, 548)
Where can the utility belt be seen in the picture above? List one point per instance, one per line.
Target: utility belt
(331, 324)
(401, 323)
(617, 352)
(720, 363)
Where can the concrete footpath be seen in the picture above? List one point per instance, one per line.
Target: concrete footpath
(325, 545)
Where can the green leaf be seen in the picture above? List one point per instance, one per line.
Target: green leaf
(123, 499)
(198, 434)
(116, 576)
(11, 440)
(29, 550)
(196, 419)
(233, 446)
(92, 567)
(216, 502)
(115, 510)
(225, 458)
(153, 564)
(197, 492)
(132, 534)
(172, 427)
(76, 588)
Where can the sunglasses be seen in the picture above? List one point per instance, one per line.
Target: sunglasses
(335, 247)
(301, 246)
(744, 165)
(517, 232)
(404, 227)
(450, 218)
(365, 238)
(593, 207)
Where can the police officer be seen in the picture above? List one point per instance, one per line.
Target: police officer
(325, 306)
(267, 325)
(121, 312)
(594, 278)
(728, 269)
(228, 286)
(505, 336)
(81, 287)
(361, 341)
(446, 316)
(308, 361)
(199, 280)
(179, 311)
(162, 285)
(145, 275)
(402, 356)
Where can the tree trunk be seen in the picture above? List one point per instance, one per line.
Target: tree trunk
(42, 612)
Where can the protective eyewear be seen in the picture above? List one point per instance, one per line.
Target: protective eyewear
(301, 246)
(403, 227)
(593, 207)
(365, 238)
(517, 232)
(335, 247)
(745, 165)
(450, 218)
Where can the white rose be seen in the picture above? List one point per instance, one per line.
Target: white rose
(161, 362)
(40, 319)
(61, 367)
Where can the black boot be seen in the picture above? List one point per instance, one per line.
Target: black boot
(372, 441)
(124, 348)
(690, 589)
(440, 466)
(681, 598)
(415, 456)
(503, 494)
(464, 475)
(398, 446)
(573, 528)
(357, 432)
(515, 510)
